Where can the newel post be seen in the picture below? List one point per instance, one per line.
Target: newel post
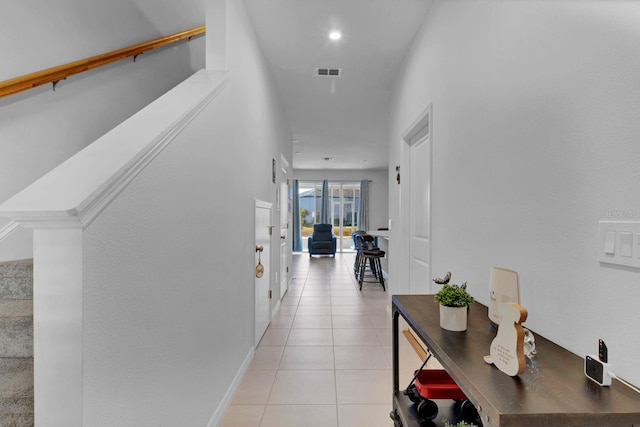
(57, 311)
(57, 326)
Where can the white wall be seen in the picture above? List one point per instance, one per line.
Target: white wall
(378, 189)
(39, 129)
(261, 132)
(169, 265)
(535, 139)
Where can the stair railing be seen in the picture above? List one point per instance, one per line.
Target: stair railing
(8, 229)
(55, 74)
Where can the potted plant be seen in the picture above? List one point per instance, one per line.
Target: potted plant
(454, 302)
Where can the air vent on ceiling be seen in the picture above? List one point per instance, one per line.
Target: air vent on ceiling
(329, 72)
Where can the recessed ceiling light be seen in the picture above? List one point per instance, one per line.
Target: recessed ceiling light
(327, 159)
(335, 35)
(298, 152)
(295, 141)
(363, 160)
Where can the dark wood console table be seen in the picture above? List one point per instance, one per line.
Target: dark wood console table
(552, 391)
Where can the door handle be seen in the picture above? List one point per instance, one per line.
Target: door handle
(259, 248)
(283, 237)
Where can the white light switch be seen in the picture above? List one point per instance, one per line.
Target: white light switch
(619, 243)
(609, 242)
(626, 242)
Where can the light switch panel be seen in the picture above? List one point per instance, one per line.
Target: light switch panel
(619, 243)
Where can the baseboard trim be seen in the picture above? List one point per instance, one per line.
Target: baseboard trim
(275, 310)
(216, 419)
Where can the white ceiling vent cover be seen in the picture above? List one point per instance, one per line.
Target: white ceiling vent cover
(329, 72)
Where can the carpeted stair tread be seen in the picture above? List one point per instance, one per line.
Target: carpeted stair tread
(16, 393)
(16, 336)
(16, 279)
(16, 308)
(16, 344)
(16, 328)
(17, 420)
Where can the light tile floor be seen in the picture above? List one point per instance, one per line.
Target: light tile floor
(325, 360)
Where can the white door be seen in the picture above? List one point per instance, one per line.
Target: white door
(284, 237)
(262, 257)
(419, 140)
(420, 245)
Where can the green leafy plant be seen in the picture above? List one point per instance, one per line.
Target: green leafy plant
(458, 424)
(452, 295)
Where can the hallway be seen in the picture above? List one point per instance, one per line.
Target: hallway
(325, 360)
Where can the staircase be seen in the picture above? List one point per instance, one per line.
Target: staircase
(16, 344)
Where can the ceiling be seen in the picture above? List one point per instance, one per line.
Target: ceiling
(344, 118)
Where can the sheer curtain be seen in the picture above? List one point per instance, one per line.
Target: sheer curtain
(363, 211)
(324, 209)
(297, 231)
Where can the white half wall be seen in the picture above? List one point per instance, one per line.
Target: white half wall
(535, 139)
(165, 278)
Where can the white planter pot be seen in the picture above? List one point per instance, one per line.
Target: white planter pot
(453, 318)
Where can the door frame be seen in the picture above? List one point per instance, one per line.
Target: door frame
(283, 203)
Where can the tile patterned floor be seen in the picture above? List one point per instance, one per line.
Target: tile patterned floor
(325, 360)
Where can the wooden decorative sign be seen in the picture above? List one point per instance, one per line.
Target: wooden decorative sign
(507, 348)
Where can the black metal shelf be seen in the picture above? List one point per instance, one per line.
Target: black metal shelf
(405, 409)
(552, 391)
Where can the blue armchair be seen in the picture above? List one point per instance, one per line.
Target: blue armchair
(322, 241)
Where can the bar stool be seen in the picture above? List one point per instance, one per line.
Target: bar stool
(359, 244)
(369, 254)
(356, 246)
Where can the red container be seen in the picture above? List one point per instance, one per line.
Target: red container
(437, 384)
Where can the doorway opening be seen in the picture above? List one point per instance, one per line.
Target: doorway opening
(344, 205)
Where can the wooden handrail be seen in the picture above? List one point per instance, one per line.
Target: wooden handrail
(55, 74)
